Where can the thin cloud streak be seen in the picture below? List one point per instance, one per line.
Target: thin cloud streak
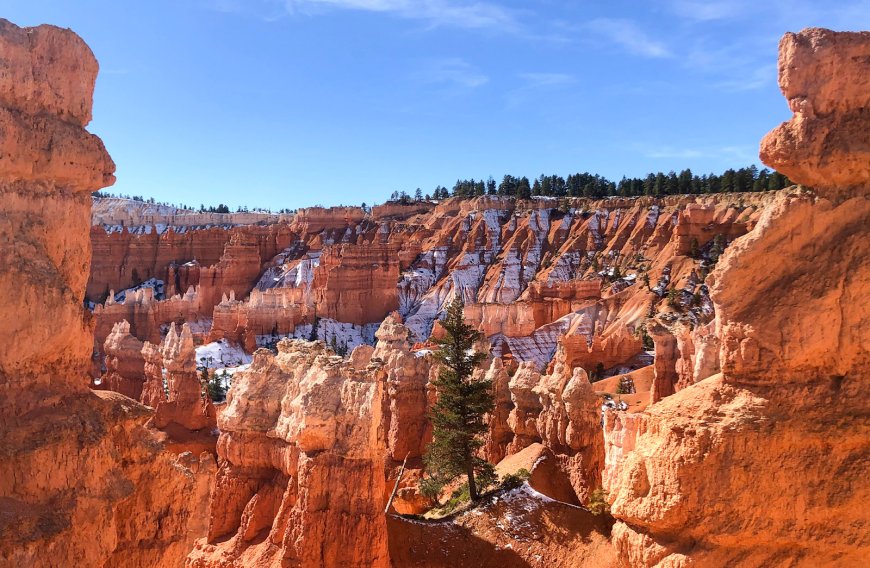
(627, 34)
(707, 10)
(453, 71)
(731, 153)
(453, 13)
(762, 77)
(534, 84)
(534, 80)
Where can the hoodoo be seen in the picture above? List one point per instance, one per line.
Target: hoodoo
(83, 482)
(762, 464)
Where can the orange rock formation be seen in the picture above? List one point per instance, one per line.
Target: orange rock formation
(747, 445)
(826, 144)
(125, 366)
(83, 481)
(301, 480)
(185, 404)
(761, 464)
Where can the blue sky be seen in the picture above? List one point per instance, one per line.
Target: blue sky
(300, 102)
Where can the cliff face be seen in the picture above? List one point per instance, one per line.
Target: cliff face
(82, 481)
(762, 463)
(219, 257)
(46, 204)
(529, 272)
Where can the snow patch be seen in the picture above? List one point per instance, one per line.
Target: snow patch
(345, 335)
(153, 283)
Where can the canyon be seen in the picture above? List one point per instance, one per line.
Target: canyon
(696, 361)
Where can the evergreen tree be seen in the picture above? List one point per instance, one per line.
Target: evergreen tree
(458, 416)
(524, 190)
(314, 327)
(490, 186)
(217, 390)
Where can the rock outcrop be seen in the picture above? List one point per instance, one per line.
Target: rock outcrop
(825, 76)
(147, 317)
(406, 423)
(520, 528)
(82, 480)
(125, 366)
(301, 481)
(559, 410)
(530, 272)
(186, 405)
(782, 430)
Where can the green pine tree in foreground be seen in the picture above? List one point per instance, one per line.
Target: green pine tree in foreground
(458, 416)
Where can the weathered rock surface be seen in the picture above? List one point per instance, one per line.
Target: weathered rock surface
(83, 482)
(825, 76)
(125, 366)
(515, 529)
(300, 429)
(186, 405)
(529, 272)
(406, 422)
(149, 318)
(559, 410)
(782, 431)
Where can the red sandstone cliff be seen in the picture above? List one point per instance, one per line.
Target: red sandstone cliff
(763, 463)
(82, 480)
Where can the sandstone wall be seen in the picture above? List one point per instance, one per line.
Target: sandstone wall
(82, 481)
(763, 464)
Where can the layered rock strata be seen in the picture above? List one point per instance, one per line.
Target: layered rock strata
(82, 480)
(788, 399)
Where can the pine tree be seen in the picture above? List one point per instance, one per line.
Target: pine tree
(524, 190)
(314, 327)
(490, 186)
(217, 390)
(458, 416)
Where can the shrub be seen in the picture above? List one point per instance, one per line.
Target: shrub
(459, 497)
(625, 386)
(598, 504)
(673, 298)
(514, 480)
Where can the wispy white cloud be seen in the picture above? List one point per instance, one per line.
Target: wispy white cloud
(629, 36)
(454, 13)
(761, 77)
(453, 71)
(787, 14)
(535, 80)
(708, 10)
(737, 154)
(535, 85)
